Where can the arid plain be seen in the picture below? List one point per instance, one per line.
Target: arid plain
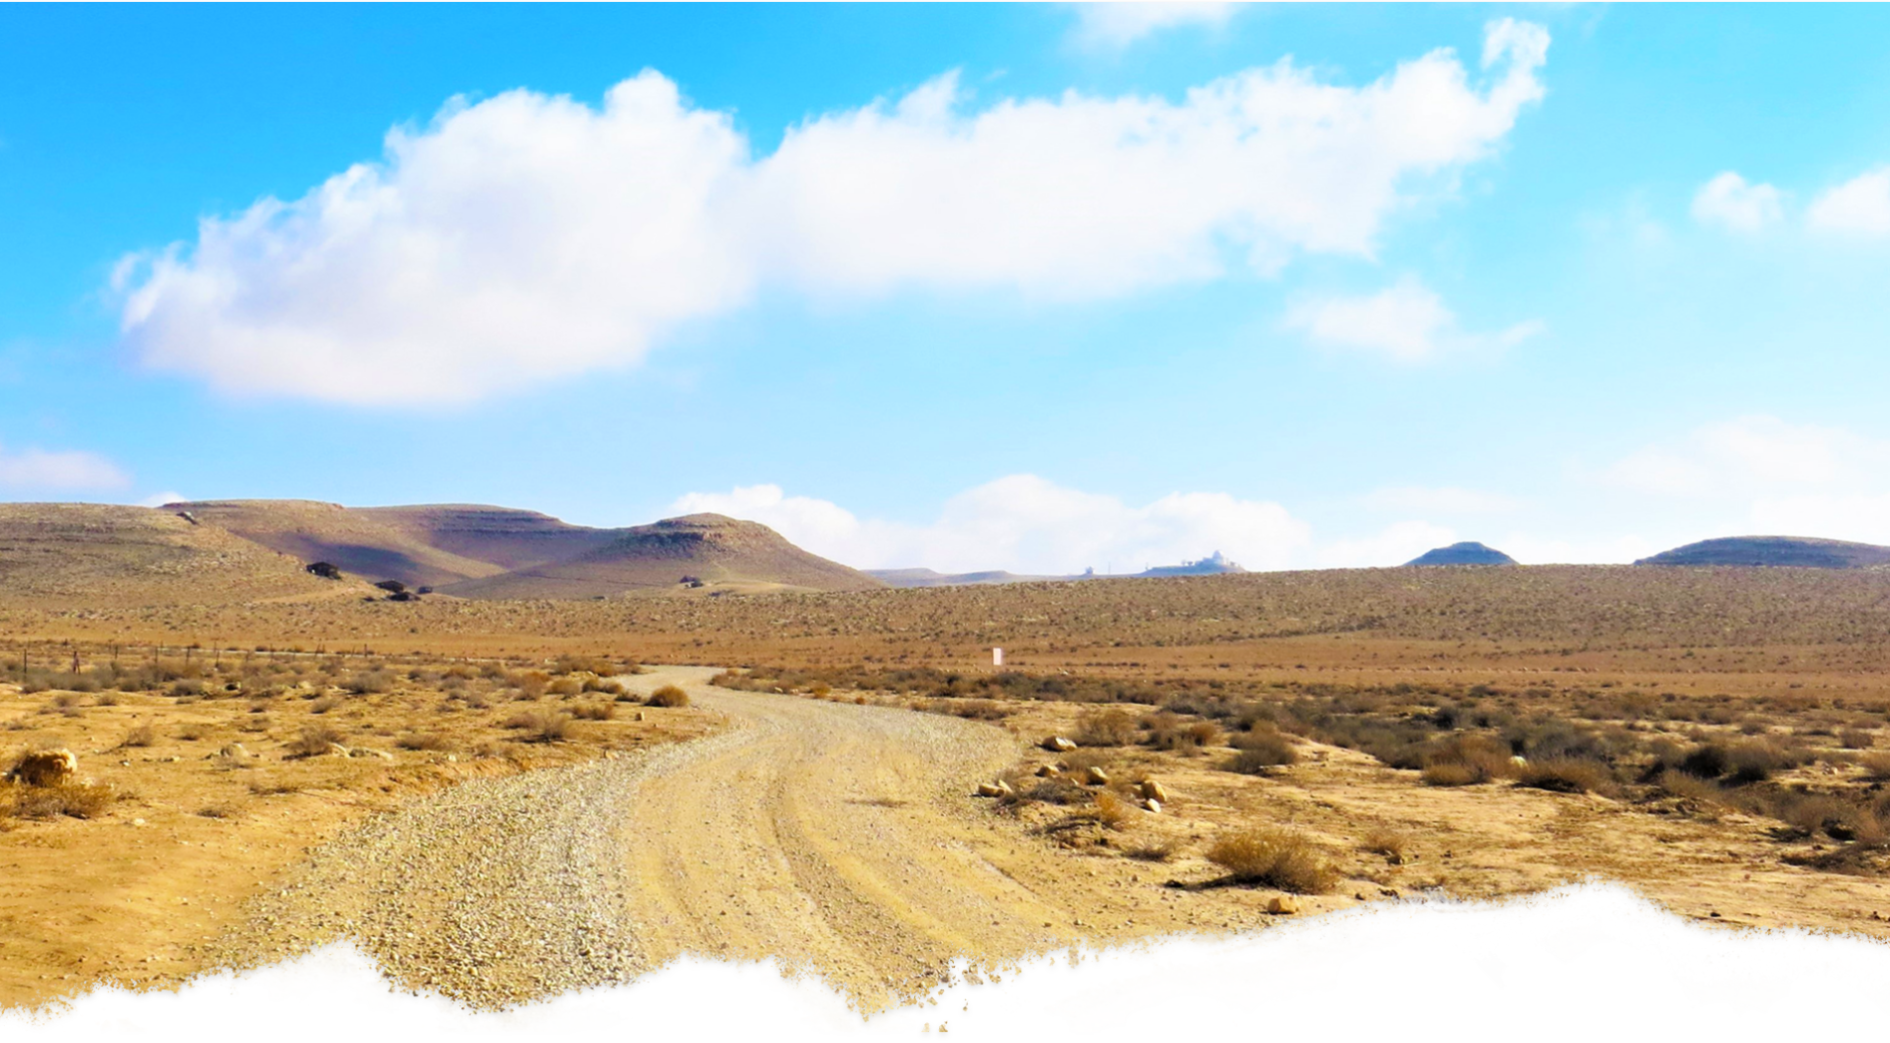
(502, 798)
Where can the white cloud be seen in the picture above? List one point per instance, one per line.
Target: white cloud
(1439, 500)
(1860, 206)
(1027, 524)
(1729, 201)
(1752, 454)
(160, 499)
(528, 237)
(59, 470)
(1113, 26)
(1406, 322)
(1397, 544)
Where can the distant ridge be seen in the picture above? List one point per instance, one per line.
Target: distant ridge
(930, 578)
(1214, 564)
(1774, 551)
(1468, 552)
(707, 549)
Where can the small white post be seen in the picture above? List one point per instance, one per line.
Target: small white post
(997, 657)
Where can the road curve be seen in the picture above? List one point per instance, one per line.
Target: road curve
(837, 838)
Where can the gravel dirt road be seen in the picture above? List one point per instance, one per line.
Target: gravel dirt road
(837, 838)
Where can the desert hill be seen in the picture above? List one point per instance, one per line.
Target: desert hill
(707, 547)
(1468, 552)
(504, 538)
(362, 542)
(1799, 551)
(100, 556)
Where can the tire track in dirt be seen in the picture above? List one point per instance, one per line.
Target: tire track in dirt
(836, 838)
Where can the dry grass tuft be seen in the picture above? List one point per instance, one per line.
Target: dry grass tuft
(599, 711)
(314, 740)
(669, 695)
(1568, 775)
(69, 799)
(1111, 727)
(1275, 857)
(1393, 844)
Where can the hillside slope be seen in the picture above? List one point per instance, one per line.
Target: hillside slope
(102, 556)
(708, 547)
(1468, 552)
(1798, 551)
(361, 542)
(503, 538)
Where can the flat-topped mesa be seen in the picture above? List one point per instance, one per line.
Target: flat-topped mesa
(1775, 552)
(1469, 552)
(695, 550)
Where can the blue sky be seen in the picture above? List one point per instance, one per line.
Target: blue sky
(971, 287)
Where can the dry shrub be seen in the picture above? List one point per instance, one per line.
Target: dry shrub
(1167, 731)
(970, 709)
(1568, 775)
(369, 682)
(1680, 784)
(314, 739)
(1111, 727)
(1876, 766)
(541, 725)
(1261, 749)
(324, 704)
(1152, 851)
(141, 736)
(1856, 739)
(565, 686)
(1112, 811)
(1059, 791)
(669, 695)
(429, 741)
(1393, 844)
(606, 687)
(71, 799)
(1814, 813)
(531, 682)
(594, 711)
(1278, 858)
(1467, 760)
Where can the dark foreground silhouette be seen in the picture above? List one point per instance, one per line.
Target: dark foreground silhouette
(1475, 972)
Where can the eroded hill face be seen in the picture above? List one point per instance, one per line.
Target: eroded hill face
(361, 542)
(1788, 551)
(706, 547)
(102, 556)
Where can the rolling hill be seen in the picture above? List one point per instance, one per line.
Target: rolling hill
(707, 547)
(1798, 551)
(99, 556)
(363, 542)
(1468, 552)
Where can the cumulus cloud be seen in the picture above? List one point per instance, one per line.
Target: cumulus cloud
(1113, 26)
(1027, 524)
(1406, 322)
(530, 237)
(59, 470)
(1731, 202)
(1860, 206)
(1773, 477)
(160, 499)
(1753, 454)
(1439, 500)
(1397, 544)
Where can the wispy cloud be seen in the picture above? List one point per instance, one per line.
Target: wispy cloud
(1406, 322)
(1114, 26)
(67, 470)
(1731, 202)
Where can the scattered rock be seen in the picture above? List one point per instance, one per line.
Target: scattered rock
(333, 749)
(235, 751)
(44, 768)
(1049, 771)
(989, 789)
(1154, 790)
(1282, 905)
(1154, 806)
(361, 751)
(1095, 776)
(1004, 789)
(1058, 744)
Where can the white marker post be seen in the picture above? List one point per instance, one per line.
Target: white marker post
(997, 657)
